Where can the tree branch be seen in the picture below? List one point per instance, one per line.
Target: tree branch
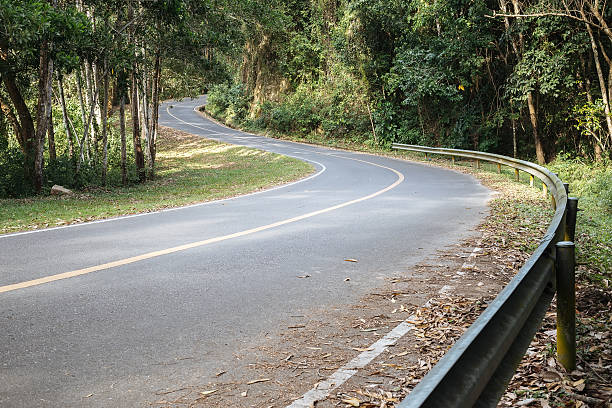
(547, 14)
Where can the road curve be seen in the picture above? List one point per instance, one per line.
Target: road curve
(109, 313)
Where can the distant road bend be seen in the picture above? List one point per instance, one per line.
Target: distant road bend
(107, 313)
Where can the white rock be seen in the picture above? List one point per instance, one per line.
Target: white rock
(59, 190)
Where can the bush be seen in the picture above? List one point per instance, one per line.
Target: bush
(228, 102)
(593, 181)
(13, 180)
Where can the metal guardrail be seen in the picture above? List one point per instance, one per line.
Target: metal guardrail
(477, 369)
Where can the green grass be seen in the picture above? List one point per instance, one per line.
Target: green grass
(592, 184)
(189, 170)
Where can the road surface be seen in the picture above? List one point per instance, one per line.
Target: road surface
(108, 313)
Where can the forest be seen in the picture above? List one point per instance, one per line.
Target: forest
(81, 80)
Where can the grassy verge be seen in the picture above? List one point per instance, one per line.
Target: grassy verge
(189, 170)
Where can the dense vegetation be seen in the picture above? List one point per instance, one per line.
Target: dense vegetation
(76, 76)
(531, 79)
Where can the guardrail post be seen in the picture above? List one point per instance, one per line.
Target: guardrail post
(544, 189)
(570, 218)
(531, 180)
(453, 160)
(516, 174)
(426, 158)
(566, 305)
(478, 164)
(499, 168)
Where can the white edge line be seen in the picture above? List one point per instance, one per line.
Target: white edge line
(122, 217)
(323, 389)
(340, 376)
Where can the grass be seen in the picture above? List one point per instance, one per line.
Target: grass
(189, 170)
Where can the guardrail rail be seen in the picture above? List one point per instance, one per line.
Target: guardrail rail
(477, 369)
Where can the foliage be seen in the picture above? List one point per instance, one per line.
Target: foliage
(592, 184)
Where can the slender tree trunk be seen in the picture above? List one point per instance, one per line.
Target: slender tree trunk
(82, 142)
(92, 88)
(138, 153)
(123, 141)
(533, 117)
(41, 116)
(69, 136)
(104, 122)
(514, 141)
(49, 108)
(154, 112)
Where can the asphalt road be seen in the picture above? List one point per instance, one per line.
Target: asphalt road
(116, 334)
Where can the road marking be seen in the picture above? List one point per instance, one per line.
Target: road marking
(154, 254)
(344, 373)
(122, 217)
(324, 388)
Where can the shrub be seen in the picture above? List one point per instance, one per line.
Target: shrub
(13, 180)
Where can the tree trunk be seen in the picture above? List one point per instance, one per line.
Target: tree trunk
(69, 136)
(138, 153)
(104, 122)
(49, 107)
(41, 116)
(533, 117)
(123, 142)
(82, 142)
(154, 113)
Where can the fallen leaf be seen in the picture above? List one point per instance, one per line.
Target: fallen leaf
(350, 260)
(258, 381)
(353, 402)
(205, 393)
(551, 376)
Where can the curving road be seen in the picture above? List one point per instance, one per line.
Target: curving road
(108, 313)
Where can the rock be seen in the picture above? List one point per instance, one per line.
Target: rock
(59, 190)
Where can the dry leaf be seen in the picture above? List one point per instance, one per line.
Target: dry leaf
(205, 393)
(350, 260)
(362, 349)
(258, 381)
(353, 402)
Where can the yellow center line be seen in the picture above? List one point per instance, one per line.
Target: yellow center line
(154, 254)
